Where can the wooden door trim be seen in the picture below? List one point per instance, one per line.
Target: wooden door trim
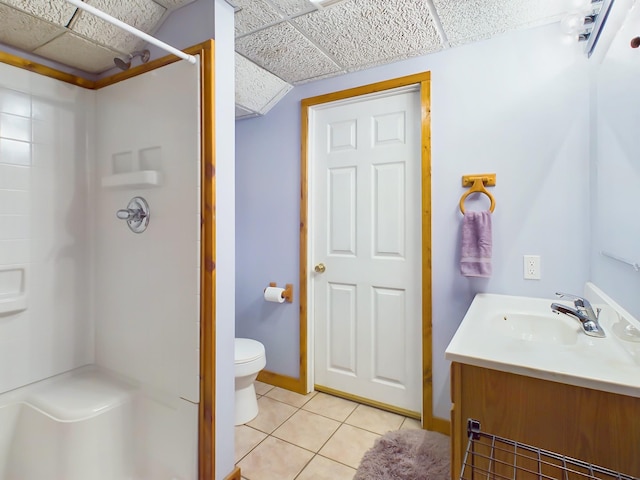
(424, 80)
(206, 415)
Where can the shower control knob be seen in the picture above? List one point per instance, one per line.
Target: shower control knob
(319, 268)
(136, 214)
(124, 214)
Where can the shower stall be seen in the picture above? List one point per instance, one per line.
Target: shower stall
(100, 332)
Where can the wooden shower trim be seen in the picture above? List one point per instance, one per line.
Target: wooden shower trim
(25, 64)
(424, 80)
(206, 423)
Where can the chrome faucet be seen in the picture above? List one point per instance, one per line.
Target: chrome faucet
(583, 313)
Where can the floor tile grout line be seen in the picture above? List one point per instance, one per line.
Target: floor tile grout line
(335, 461)
(317, 454)
(314, 454)
(281, 423)
(304, 448)
(305, 466)
(271, 435)
(310, 411)
(282, 401)
(295, 406)
(254, 447)
(322, 446)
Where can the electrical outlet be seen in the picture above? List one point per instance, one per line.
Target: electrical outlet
(532, 267)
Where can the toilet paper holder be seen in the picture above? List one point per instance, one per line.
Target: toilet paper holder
(288, 291)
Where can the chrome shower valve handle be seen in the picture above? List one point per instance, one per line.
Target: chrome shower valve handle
(128, 214)
(136, 214)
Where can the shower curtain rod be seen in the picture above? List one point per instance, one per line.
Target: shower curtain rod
(138, 33)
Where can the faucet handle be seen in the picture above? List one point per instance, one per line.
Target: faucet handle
(582, 305)
(578, 301)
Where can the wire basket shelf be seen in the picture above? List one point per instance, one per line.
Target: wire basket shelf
(492, 457)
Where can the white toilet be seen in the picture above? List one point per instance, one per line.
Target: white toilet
(249, 360)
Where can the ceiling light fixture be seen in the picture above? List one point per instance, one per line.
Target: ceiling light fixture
(599, 21)
(585, 24)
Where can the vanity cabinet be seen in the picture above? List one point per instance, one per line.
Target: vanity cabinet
(599, 427)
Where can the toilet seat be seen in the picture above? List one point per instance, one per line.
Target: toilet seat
(247, 350)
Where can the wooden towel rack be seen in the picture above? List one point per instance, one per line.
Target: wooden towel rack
(478, 182)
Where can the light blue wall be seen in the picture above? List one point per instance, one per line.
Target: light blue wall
(225, 238)
(616, 228)
(517, 105)
(187, 26)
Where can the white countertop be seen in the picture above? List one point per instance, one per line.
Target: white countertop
(484, 340)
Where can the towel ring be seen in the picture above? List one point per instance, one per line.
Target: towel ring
(477, 187)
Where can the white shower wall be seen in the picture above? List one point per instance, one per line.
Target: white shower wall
(147, 285)
(96, 292)
(147, 302)
(44, 216)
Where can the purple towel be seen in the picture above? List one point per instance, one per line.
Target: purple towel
(475, 255)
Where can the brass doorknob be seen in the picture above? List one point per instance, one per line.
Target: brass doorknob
(320, 268)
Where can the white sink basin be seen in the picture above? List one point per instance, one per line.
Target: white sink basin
(522, 335)
(536, 327)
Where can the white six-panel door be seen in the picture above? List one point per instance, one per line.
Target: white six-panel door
(365, 171)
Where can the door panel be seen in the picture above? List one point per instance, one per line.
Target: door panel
(389, 128)
(341, 338)
(342, 135)
(365, 171)
(389, 327)
(389, 210)
(341, 222)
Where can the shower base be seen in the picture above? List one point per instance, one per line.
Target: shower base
(75, 426)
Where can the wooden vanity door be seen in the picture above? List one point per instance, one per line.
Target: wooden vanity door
(598, 427)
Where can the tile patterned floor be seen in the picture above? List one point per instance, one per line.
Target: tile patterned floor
(309, 437)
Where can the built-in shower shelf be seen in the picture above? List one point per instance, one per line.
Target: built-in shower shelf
(139, 179)
(13, 295)
(13, 304)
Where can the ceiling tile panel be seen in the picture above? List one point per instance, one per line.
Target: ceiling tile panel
(256, 88)
(473, 20)
(173, 4)
(23, 31)
(253, 15)
(59, 12)
(78, 52)
(141, 14)
(244, 113)
(293, 7)
(320, 77)
(359, 33)
(283, 51)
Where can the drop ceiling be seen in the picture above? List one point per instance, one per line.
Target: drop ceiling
(279, 43)
(298, 42)
(57, 30)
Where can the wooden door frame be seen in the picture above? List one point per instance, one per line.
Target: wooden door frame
(205, 50)
(429, 422)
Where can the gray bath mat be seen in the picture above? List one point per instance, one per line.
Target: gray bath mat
(407, 455)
